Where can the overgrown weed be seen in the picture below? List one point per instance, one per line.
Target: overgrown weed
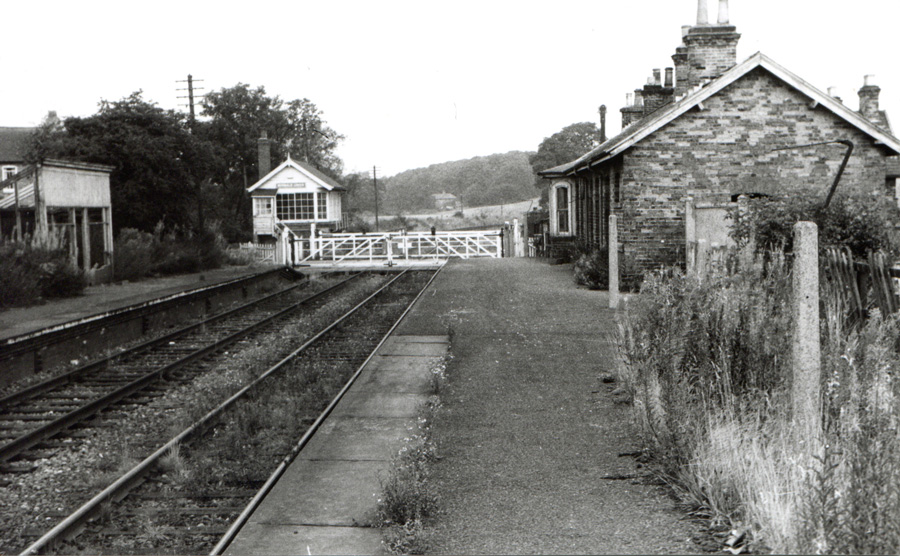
(706, 359)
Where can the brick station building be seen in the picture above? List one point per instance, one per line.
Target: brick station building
(710, 129)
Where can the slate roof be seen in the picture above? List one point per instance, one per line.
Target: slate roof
(303, 167)
(655, 120)
(14, 143)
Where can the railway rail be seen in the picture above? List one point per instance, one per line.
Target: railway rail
(149, 509)
(30, 417)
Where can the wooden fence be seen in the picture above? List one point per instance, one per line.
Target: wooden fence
(861, 285)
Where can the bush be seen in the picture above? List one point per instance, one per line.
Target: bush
(141, 254)
(592, 269)
(133, 254)
(36, 269)
(863, 223)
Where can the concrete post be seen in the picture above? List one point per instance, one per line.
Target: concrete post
(613, 262)
(690, 236)
(518, 244)
(806, 352)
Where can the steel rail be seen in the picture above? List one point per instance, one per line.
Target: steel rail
(264, 491)
(18, 445)
(119, 489)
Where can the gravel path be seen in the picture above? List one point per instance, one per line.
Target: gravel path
(528, 432)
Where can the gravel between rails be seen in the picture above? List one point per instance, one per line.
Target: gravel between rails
(31, 503)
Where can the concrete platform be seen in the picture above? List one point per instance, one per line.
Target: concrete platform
(104, 298)
(326, 502)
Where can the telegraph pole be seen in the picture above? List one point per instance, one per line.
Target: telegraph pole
(375, 182)
(190, 96)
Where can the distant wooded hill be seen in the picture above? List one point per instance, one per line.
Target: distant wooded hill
(479, 181)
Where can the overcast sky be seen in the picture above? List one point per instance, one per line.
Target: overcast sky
(413, 83)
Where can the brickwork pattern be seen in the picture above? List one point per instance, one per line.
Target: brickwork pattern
(726, 149)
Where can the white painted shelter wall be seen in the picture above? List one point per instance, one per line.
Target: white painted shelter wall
(68, 187)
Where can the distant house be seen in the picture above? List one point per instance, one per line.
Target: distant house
(69, 199)
(294, 198)
(445, 201)
(708, 132)
(14, 142)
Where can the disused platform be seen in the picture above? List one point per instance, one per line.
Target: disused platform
(106, 298)
(527, 436)
(325, 503)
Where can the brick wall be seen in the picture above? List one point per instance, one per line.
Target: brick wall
(726, 149)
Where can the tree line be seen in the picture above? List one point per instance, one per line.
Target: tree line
(188, 175)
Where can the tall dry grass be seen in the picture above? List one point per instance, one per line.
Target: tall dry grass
(707, 362)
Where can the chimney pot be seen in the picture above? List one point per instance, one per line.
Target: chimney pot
(685, 29)
(638, 97)
(656, 76)
(669, 78)
(629, 99)
(602, 123)
(702, 17)
(723, 12)
(869, 80)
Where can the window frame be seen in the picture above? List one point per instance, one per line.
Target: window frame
(563, 226)
(263, 206)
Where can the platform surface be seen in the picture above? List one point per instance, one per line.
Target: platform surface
(527, 434)
(326, 502)
(109, 297)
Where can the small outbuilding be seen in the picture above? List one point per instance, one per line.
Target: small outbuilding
(69, 200)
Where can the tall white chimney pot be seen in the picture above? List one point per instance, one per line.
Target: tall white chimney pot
(702, 17)
(869, 80)
(723, 12)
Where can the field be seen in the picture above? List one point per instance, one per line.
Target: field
(494, 215)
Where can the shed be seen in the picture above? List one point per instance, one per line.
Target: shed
(69, 199)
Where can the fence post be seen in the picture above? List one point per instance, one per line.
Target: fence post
(690, 235)
(805, 394)
(613, 262)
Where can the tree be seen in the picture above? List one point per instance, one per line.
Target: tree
(565, 146)
(561, 147)
(157, 161)
(311, 140)
(237, 117)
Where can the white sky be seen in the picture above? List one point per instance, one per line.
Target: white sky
(413, 83)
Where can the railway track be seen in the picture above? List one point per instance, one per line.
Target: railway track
(188, 493)
(31, 417)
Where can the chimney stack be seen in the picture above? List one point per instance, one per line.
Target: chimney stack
(633, 109)
(264, 155)
(868, 102)
(602, 123)
(707, 51)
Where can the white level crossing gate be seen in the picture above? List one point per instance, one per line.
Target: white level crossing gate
(399, 246)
